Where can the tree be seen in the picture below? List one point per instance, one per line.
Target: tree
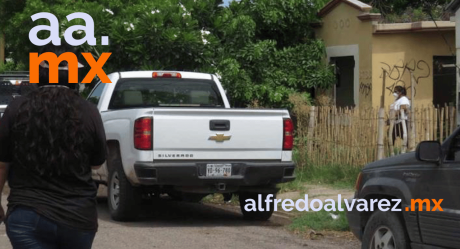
(263, 50)
(268, 50)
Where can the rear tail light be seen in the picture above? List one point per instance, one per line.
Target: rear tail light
(288, 134)
(143, 128)
(359, 179)
(166, 75)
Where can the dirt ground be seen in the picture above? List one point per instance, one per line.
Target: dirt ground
(321, 192)
(170, 224)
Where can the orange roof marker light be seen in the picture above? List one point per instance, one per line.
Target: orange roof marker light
(166, 75)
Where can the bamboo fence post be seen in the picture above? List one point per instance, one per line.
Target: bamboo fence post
(372, 134)
(420, 133)
(348, 137)
(319, 146)
(341, 133)
(310, 133)
(316, 134)
(380, 146)
(410, 128)
(324, 135)
(404, 132)
(352, 126)
(428, 117)
(369, 128)
(435, 123)
(413, 129)
(446, 121)
(356, 143)
(328, 128)
(336, 134)
(375, 137)
(427, 125)
(441, 124)
(381, 127)
(390, 131)
(352, 144)
(326, 132)
(347, 131)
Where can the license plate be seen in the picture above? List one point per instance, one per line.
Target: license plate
(218, 170)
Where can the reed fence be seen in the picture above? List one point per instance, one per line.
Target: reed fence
(350, 136)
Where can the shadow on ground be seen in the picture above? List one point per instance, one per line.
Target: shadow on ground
(168, 213)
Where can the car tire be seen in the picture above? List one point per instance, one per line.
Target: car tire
(256, 215)
(385, 230)
(124, 199)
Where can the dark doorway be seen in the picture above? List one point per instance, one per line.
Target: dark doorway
(344, 88)
(444, 80)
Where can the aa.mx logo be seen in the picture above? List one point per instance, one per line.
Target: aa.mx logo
(53, 60)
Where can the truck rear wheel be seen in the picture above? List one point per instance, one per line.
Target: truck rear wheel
(257, 214)
(124, 199)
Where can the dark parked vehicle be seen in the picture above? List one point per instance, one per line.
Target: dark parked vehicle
(13, 84)
(430, 173)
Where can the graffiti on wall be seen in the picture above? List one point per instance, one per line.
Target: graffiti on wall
(396, 73)
(365, 85)
(365, 88)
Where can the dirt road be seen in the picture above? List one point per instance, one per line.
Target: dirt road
(171, 224)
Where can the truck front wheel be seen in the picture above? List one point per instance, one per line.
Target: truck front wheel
(250, 207)
(123, 198)
(385, 230)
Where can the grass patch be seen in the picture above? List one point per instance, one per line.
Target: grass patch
(320, 221)
(338, 176)
(296, 185)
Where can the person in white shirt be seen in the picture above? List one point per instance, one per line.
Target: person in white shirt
(400, 100)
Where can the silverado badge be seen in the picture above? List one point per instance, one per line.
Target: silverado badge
(220, 138)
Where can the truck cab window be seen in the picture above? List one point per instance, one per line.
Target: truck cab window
(131, 93)
(96, 94)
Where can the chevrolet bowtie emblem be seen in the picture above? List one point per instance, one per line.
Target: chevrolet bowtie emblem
(220, 138)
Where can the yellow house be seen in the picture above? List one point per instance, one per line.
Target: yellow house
(364, 50)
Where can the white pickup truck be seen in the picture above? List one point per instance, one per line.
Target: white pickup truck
(174, 133)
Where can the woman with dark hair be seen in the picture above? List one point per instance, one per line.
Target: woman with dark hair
(400, 100)
(50, 139)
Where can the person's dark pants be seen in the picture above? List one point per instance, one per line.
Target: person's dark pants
(399, 132)
(28, 230)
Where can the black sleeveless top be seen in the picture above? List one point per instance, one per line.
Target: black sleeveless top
(68, 199)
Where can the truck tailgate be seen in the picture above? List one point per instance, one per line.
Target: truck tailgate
(186, 134)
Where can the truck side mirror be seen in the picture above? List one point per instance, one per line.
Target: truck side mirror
(429, 151)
